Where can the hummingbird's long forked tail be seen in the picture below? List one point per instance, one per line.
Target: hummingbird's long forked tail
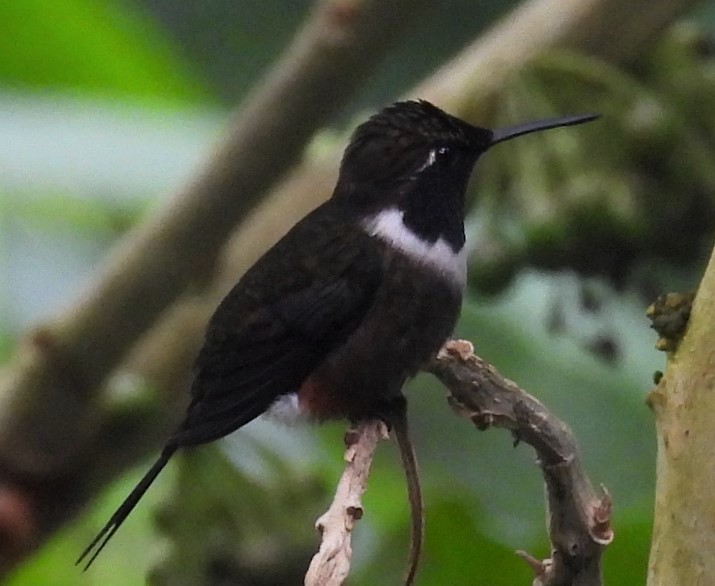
(502, 134)
(116, 520)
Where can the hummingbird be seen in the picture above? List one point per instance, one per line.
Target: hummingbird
(333, 319)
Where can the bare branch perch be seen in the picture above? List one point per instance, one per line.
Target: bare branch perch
(579, 520)
(610, 29)
(331, 565)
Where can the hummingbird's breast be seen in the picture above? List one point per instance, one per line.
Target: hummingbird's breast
(414, 312)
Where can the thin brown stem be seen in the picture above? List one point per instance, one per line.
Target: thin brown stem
(579, 520)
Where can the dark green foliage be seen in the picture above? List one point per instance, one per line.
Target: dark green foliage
(613, 197)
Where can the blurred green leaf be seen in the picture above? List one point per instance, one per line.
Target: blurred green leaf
(456, 550)
(225, 527)
(626, 559)
(95, 46)
(64, 212)
(6, 345)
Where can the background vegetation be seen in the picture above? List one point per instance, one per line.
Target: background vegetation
(106, 108)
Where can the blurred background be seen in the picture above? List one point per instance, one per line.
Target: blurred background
(108, 107)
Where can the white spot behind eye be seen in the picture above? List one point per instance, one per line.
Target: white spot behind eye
(431, 158)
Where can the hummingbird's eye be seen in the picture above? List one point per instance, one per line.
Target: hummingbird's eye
(443, 150)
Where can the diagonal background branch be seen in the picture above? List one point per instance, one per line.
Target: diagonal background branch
(62, 364)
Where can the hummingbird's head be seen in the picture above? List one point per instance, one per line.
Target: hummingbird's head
(413, 146)
(409, 166)
(406, 142)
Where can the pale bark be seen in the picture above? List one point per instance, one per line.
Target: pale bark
(331, 565)
(683, 546)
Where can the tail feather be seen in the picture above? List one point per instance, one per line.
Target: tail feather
(101, 539)
(414, 495)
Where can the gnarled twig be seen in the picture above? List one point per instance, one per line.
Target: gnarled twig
(579, 520)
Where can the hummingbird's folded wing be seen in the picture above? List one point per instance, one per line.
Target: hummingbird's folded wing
(242, 371)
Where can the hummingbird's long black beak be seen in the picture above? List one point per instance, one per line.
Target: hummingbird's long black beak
(502, 134)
